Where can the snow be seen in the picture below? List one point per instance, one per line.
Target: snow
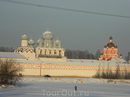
(11, 55)
(78, 62)
(64, 87)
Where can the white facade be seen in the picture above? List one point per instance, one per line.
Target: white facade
(46, 48)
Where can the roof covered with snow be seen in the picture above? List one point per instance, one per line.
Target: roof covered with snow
(68, 62)
(75, 62)
(11, 55)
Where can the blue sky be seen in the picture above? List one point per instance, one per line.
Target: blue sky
(76, 30)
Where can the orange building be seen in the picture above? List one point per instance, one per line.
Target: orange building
(110, 52)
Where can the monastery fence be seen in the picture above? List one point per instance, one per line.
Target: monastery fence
(65, 70)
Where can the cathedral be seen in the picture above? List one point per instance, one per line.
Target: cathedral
(110, 52)
(46, 49)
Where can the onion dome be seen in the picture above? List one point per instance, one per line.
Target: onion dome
(57, 41)
(31, 42)
(110, 45)
(105, 46)
(39, 40)
(116, 46)
(101, 53)
(24, 37)
(47, 32)
(110, 38)
(47, 35)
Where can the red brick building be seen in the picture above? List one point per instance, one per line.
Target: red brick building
(110, 51)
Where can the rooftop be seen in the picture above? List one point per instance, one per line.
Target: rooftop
(11, 55)
(68, 62)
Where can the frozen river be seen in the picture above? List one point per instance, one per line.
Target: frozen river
(64, 87)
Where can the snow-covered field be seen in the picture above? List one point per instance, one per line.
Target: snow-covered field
(64, 87)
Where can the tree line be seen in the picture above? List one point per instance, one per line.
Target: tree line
(78, 54)
(71, 54)
(6, 49)
(127, 58)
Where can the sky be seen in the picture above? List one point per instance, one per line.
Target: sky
(77, 30)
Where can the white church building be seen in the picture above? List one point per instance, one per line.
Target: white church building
(46, 50)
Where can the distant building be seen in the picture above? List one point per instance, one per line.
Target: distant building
(46, 48)
(110, 52)
(47, 59)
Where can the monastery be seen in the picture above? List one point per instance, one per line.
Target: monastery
(48, 58)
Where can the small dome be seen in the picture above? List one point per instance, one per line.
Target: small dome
(101, 53)
(39, 40)
(24, 37)
(31, 42)
(47, 35)
(110, 38)
(47, 32)
(57, 40)
(105, 46)
(111, 45)
(116, 46)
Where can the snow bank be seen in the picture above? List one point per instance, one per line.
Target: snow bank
(74, 80)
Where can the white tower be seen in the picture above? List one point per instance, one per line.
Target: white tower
(24, 40)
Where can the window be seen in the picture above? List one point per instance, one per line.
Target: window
(54, 52)
(49, 52)
(57, 45)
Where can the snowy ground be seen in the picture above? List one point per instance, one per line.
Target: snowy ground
(64, 87)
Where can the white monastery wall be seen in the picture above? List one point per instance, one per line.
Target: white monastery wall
(63, 59)
(30, 69)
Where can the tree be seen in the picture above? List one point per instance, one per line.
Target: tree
(9, 72)
(78, 54)
(68, 53)
(97, 55)
(6, 49)
(87, 54)
(73, 54)
(92, 56)
(127, 58)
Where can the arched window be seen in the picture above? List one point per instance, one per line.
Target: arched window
(60, 52)
(54, 52)
(49, 52)
(57, 45)
(40, 51)
(45, 52)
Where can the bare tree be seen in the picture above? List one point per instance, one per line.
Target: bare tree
(68, 53)
(78, 54)
(92, 56)
(97, 55)
(127, 58)
(6, 49)
(9, 71)
(86, 54)
(73, 54)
